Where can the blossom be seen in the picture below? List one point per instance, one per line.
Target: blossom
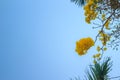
(107, 24)
(90, 11)
(104, 38)
(98, 48)
(83, 45)
(97, 55)
(103, 16)
(94, 61)
(105, 49)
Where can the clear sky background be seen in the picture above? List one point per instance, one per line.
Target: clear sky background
(37, 40)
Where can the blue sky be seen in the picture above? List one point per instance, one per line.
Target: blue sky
(38, 40)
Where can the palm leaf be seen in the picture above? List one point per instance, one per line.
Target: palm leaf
(79, 2)
(100, 71)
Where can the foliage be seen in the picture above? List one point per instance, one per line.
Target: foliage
(100, 71)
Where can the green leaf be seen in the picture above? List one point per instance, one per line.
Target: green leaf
(79, 2)
(100, 71)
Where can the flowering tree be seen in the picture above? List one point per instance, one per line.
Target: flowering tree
(104, 15)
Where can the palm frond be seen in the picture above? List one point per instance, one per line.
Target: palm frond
(79, 2)
(75, 78)
(100, 71)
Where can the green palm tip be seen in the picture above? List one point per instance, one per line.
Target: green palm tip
(79, 2)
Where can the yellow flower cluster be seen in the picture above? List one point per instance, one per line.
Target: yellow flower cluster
(98, 48)
(104, 38)
(83, 45)
(107, 24)
(96, 57)
(105, 49)
(103, 16)
(90, 10)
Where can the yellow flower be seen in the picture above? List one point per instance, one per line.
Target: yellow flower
(96, 0)
(90, 11)
(94, 61)
(104, 38)
(83, 45)
(98, 55)
(87, 19)
(103, 16)
(101, 39)
(98, 48)
(90, 2)
(105, 49)
(107, 24)
(87, 7)
(104, 43)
